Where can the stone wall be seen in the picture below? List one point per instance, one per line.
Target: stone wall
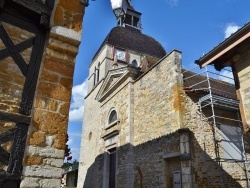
(204, 168)
(157, 100)
(96, 118)
(242, 72)
(11, 81)
(103, 62)
(44, 154)
(120, 102)
(152, 169)
(99, 61)
(90, 138)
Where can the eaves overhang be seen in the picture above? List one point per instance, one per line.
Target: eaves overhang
(228, 44)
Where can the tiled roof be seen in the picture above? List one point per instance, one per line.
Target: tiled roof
(132, 39)
(218, 87)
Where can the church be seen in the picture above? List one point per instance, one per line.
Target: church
(150, 123)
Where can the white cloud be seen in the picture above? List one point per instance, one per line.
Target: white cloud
(77, 102)
(76, 114)
(226, 76)
(230, 29)
(172, 3)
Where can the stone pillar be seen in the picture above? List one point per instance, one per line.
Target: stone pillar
(46, 140)
(185, 156)
(130, 172)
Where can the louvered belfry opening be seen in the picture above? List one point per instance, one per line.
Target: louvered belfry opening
(23, 27)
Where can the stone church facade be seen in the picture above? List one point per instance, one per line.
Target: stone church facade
(143, 126)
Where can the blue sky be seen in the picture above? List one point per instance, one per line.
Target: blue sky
(191, 26)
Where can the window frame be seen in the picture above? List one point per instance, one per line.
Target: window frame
(113, 123)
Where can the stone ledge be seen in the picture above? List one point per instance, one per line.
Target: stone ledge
(30, 182)
(45, 152)
(63, 47)
(110, 134)
(42, 171)
(67, 34)
(171, 155)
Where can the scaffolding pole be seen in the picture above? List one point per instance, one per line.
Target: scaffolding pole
(212, 101)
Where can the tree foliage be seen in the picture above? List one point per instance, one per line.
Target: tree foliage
(67, 152)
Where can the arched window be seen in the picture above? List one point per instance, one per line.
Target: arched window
(134, 63)
(112, 117)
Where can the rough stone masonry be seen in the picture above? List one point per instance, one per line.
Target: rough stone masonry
(44, 150)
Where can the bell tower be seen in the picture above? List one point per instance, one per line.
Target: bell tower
(126, 15)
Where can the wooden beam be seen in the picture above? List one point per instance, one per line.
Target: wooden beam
(225, 50)
(34, 6)
(17, 151)
(13, 20)
(14, 117)
(32, 74)
(4, 156)
(20, 47)
(13, 50)
(7, 135)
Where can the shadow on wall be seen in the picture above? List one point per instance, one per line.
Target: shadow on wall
(151, 167)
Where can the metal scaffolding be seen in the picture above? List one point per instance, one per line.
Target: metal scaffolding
(212, 102)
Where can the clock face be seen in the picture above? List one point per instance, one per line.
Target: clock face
(120, 54)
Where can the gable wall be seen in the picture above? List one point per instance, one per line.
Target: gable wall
(156, 108)
(242, 70)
